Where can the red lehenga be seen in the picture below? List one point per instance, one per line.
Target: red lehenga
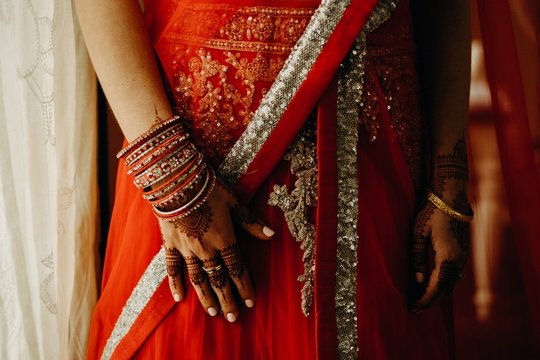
(327, 285)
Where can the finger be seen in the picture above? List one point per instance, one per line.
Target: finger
(441, 282)
(232, 259)
(200, 283)
(420, 256)
(219, 280)
(250, 222)
(173, 263)
(421, 240)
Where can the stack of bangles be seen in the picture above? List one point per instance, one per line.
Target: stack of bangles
(454, 214)
(171, 171)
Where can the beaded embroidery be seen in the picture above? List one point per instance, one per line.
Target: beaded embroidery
(219, 88)
(299, 203)
(393, 71)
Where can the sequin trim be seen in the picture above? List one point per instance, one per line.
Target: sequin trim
(299, 203)
(153, 276)
(273, 105)
(350, 84)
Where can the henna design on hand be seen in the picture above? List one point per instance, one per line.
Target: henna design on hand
(217, 274)
(197, 223)
(448, 275)
(157, 119)
(195, 272)
(232, 258)
(243, 214)
(451, 166)
(420, 242)
(173, 261)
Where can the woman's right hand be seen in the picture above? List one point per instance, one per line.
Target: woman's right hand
(206, 241)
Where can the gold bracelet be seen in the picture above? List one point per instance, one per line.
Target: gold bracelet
(454, 214)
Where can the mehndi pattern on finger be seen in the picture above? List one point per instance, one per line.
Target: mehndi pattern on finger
(448, 275)
(173, 263)
(196, 274)
(242, 214)
(232, 258)
(217, 274)
(420, 241)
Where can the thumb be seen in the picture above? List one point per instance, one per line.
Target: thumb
(250, 222)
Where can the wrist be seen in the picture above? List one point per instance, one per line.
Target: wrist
(170, 170)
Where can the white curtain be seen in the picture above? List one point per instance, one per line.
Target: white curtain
(48, 191)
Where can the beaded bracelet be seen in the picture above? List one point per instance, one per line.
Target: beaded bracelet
(167, 166)
(155, 130)
(164, 157)
(193, 204)
(159, 153)
(174, 182)
(177, 197)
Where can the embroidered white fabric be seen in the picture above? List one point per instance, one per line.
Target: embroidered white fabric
(48, 192)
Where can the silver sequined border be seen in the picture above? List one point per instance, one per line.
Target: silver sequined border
(152, 278)
(288, 81)
(350, 83)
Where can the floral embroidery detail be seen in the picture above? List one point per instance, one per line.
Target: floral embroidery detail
(220, 97)
(274, 24)
(259, 28)
(298, 205)
(218, 87)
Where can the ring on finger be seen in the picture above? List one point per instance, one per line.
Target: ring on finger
(217, 274)
(211, 269)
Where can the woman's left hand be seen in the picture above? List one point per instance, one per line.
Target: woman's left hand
(449, 239)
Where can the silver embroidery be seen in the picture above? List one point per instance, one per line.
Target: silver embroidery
(350, 82)
(296, 206)
(273, 105)
(140, 296)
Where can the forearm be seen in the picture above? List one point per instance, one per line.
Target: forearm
(445, 64)
(122, 54)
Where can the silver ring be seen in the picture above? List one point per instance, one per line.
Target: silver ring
(213, 269)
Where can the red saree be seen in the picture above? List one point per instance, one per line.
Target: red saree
(268, 102)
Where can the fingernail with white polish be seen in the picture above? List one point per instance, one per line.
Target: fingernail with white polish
(231, 317)
(176, 297)
(212, 311)
(249, 303)
(267, 231)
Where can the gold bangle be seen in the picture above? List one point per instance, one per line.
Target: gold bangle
(454, 214)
